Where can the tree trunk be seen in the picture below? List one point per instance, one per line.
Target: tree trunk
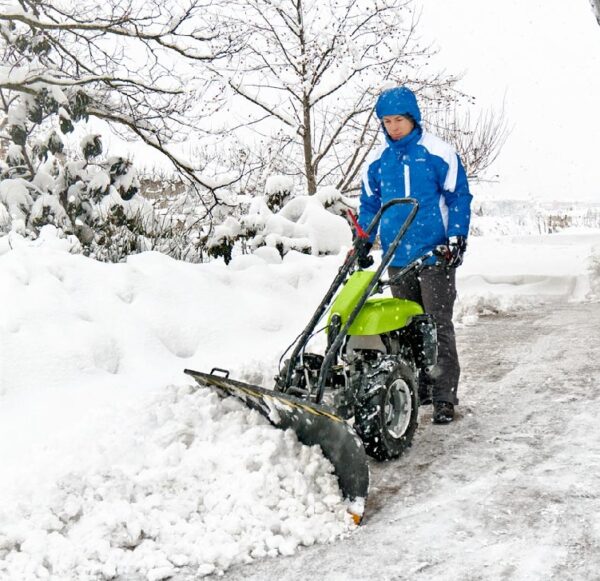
(311, 178)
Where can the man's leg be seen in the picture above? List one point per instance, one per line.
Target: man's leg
(409, 288)
(438, 291)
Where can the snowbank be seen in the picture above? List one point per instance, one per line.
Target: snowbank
(113, 465)
(105, 471)
(509, 274)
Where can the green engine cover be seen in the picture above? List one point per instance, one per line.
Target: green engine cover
(378, 315)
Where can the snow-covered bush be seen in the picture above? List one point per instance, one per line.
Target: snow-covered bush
(307, 224)
(92, 199)
(43, 182)
(64, 64)
(278, 191)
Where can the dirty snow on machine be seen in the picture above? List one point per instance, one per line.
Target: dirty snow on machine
(365, 383)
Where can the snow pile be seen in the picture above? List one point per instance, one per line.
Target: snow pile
(116, 474)
(326, 232)
(509, 274)
(594, 272)
(196, 483)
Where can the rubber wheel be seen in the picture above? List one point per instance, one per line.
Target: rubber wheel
(387, 419)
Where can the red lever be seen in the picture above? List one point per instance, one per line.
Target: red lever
(359, 231)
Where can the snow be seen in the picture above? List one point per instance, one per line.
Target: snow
(114, 465)
(123, 465)
(279, 183)
(303, 224)
(150, 489)
(513, 273)
(110, 439)
(230, 228)
(99, 182)
(137, 208)
(509, 490)
(14, 155)
(86, 140)
(52, 204)
(305, 215)
(4, 216)
(43, 180)
(15, 197)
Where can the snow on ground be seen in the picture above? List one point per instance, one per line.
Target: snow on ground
(113, 465)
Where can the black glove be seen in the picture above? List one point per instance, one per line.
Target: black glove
(457, 245)
(364, 259)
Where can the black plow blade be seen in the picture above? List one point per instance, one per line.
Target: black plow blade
(314, 425)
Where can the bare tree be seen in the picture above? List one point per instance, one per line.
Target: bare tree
(311, 70)
(478, 140)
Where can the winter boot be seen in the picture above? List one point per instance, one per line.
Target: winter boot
(443, 412)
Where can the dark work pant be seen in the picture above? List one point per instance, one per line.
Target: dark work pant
(434, 288)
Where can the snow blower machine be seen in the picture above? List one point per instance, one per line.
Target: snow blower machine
(361, 394)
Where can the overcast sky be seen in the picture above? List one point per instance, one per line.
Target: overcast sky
(542, 58)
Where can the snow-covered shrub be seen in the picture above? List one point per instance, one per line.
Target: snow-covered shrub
(307, 224)
(81, 193)
(92, 199)
(14, 195)
(221, 243)
(278, 191)
(334, 201)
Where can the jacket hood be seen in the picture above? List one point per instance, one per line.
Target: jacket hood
(398, 101)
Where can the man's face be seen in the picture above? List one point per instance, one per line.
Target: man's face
(397, 126)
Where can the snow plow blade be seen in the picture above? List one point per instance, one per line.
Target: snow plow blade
(313, 424)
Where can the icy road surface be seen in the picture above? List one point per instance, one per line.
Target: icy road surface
(510, 491)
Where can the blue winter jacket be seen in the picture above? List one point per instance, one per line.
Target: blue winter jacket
(420, 166)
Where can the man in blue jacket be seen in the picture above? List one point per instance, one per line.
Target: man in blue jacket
(414, 163)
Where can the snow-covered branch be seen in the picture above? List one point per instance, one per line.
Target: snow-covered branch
(138, 27)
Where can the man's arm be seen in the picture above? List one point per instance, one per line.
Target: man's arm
(370, 199)
(458, 200)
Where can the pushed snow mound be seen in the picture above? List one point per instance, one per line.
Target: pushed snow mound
(196, 481)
